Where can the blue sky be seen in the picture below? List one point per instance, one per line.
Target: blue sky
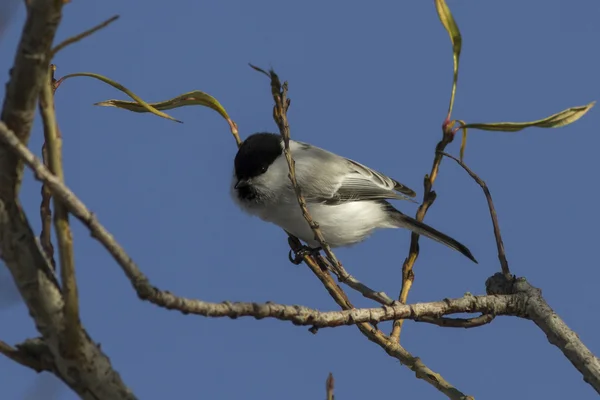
(370, 82)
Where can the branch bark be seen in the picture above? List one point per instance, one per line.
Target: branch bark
(558, 333)
(90, 375)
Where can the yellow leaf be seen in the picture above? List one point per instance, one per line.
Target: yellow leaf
(123, 89)
(194, 98)
(455, 38)
(557, 120)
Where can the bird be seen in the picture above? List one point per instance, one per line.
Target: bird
(347, 199)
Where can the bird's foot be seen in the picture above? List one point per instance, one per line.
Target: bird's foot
(303, 251)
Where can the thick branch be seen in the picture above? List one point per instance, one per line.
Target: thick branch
(91, 375)
(558, 333)
(27, 75)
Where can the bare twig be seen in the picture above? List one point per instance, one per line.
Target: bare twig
(75, 206)
(82, 35)
(282, 104)
(23, 358)
(475, 322)
(390, 346)
(357, 285)
(72, 329)
(488, 196)
(46, 215)
(329, 386)
(429, 197)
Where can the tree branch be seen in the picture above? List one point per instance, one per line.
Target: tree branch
(282, 103)
(53, 140)
(23, 89)
(82, 35)
(167, 300)
(558, 333)
(488, 197)
(91, 375)
(429, 197)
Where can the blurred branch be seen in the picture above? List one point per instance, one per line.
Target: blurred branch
(22, 91)
(46, 215)
(91, 376)
(72, 330)
(488, 196)
(26, 358)
(82, 35)
(329, 386)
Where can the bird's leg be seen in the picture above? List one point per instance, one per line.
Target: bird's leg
(303, 251)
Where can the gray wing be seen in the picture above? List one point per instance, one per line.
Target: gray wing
(348, 180)
(364, 183)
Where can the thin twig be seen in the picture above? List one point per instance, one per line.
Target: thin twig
(329, 386)
(390, 346)
(72, 329)
(357, 285)
(429, 197)
(23, 358)
(46, 215)
(445, 322)
(282, 104)
(82, 35)
(488, 196)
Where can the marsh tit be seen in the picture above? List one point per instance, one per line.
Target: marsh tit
(346, 199)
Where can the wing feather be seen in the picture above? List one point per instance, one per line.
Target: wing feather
(364, 183)
(352, 181)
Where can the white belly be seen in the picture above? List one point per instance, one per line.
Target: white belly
(341, 225)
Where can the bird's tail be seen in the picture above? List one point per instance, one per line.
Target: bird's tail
(404, 221)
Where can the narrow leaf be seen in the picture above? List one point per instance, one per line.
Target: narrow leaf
(123, 89)
(557, 120)
(193, 98)
(463, 144)
(455, 38)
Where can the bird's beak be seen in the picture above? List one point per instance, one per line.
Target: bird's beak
(241, 183)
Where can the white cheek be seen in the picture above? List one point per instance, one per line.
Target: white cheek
(275, 177)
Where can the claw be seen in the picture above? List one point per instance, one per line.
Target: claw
(303, 251)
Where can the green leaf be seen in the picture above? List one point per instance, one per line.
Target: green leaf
(455, 38)
(193, 98)
(557, 120)
(123, 89)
